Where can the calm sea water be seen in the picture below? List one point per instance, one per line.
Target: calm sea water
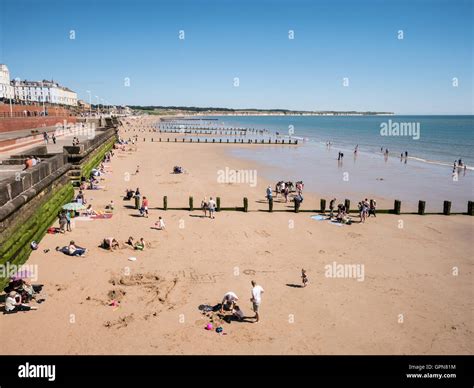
(442, 139)
(426, 175)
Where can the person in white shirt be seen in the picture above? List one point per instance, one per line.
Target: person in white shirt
(160, 224)
(13, 303)
(256, 298)
(212, 208)
(228, 301)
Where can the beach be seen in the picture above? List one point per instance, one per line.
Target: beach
(413, 296)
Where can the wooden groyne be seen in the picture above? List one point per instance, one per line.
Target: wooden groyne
(297, 208)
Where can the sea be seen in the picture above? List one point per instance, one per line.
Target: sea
(433, 144)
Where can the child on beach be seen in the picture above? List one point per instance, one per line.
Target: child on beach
(160, 224)
(304, 278)
(140, 245)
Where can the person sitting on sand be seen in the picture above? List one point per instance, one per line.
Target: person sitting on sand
(90, 211)
(140, 245)
(110, 206)
(228, 301)
(131, 241)
(304, 278)
(160, 224)
(238, 313)
(110, 243)
(13, 304)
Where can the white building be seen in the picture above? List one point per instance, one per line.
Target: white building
(6, 89)
(44, 91)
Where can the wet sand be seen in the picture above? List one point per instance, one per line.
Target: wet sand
(409, 302)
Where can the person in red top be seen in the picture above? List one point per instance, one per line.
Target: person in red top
(144, 208)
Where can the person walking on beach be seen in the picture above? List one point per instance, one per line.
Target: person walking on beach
(204, 206)
(46, 137)
(144, 208)
(54, 138)
(269, 193)
(256, 299)
(372, 208)
(68, 221)
(212, 208)
(332, 205)
(62, 221)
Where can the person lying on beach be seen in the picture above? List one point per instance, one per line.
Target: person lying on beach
(72, 250)
(140, 245)
(228, 301)
(13, 304)
(160, 224)
(110, 243)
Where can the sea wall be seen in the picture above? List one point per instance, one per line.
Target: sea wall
(31, 200)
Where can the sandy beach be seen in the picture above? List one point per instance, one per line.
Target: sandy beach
(410, 300)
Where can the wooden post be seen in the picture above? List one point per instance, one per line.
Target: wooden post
(470, 208)
(323, 205)
(270, 205)
(218, 204)
(447, 208)
(246, 205)
(347, 204)
(397, 206)
(297, 205)
(191, 204)
(165, 203)
(421, 207)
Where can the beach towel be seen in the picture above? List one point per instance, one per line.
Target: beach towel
(318, 218)
(102, 216)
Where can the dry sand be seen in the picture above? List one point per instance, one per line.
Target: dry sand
(196, 260)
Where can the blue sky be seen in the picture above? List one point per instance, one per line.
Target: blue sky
(225, 39)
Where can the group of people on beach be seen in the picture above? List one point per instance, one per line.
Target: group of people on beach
(20, 293)
(230, 299)
(31, 161)
(209, 206)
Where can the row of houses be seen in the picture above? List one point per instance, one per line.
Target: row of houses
(25, 91)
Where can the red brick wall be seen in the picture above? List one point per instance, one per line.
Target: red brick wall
(19, 123)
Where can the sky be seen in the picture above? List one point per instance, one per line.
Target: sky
(344, 55)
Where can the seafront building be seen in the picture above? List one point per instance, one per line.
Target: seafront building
(27, 92)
